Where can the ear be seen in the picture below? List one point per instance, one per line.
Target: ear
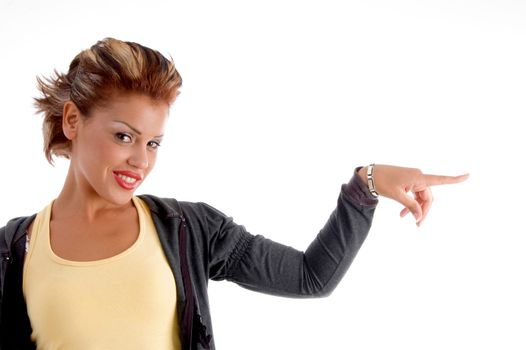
(71, 118)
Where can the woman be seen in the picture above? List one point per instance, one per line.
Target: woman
(100, 268)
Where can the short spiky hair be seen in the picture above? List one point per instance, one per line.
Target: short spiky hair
(107, 67)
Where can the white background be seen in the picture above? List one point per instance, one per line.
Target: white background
(280, 101)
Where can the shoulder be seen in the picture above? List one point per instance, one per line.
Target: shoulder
(200, 216)
(171, 207)
(14, 230)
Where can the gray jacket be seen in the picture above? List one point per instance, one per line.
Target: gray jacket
(202, 243)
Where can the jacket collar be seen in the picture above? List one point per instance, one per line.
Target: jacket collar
(163, 207)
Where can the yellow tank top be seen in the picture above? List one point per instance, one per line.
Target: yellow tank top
(127, 301)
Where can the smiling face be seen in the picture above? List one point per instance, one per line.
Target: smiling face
(115, 147)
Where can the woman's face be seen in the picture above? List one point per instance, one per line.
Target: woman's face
(115, 148)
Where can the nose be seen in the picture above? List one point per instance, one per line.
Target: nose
(139, 158)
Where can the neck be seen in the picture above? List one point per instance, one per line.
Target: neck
(78, 199)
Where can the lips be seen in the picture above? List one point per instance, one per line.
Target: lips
(127, 179)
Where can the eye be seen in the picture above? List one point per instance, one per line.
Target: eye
(154, 144)
(123, 137)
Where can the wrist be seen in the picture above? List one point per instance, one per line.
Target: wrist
(366, 174)
(363, 174)
(357, 188)
(370, 180)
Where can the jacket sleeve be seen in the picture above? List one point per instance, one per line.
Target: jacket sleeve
(4, 259)
(262, 265)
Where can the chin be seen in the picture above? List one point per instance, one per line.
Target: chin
(120, 195)
(119, 199)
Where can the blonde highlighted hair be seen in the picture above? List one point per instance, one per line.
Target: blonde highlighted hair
(110, 66)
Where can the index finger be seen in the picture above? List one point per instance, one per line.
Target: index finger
(433, 180)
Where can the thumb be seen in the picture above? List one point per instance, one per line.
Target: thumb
(411, 205)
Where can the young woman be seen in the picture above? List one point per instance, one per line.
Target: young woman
(100, 268)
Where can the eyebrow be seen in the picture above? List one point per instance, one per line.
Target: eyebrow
(134, 129)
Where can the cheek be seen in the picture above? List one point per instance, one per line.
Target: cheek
(152, 159)
(105, 153)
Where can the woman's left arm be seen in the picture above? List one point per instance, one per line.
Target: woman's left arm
(265, 266)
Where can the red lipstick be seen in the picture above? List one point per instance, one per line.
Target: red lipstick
(127, 179)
